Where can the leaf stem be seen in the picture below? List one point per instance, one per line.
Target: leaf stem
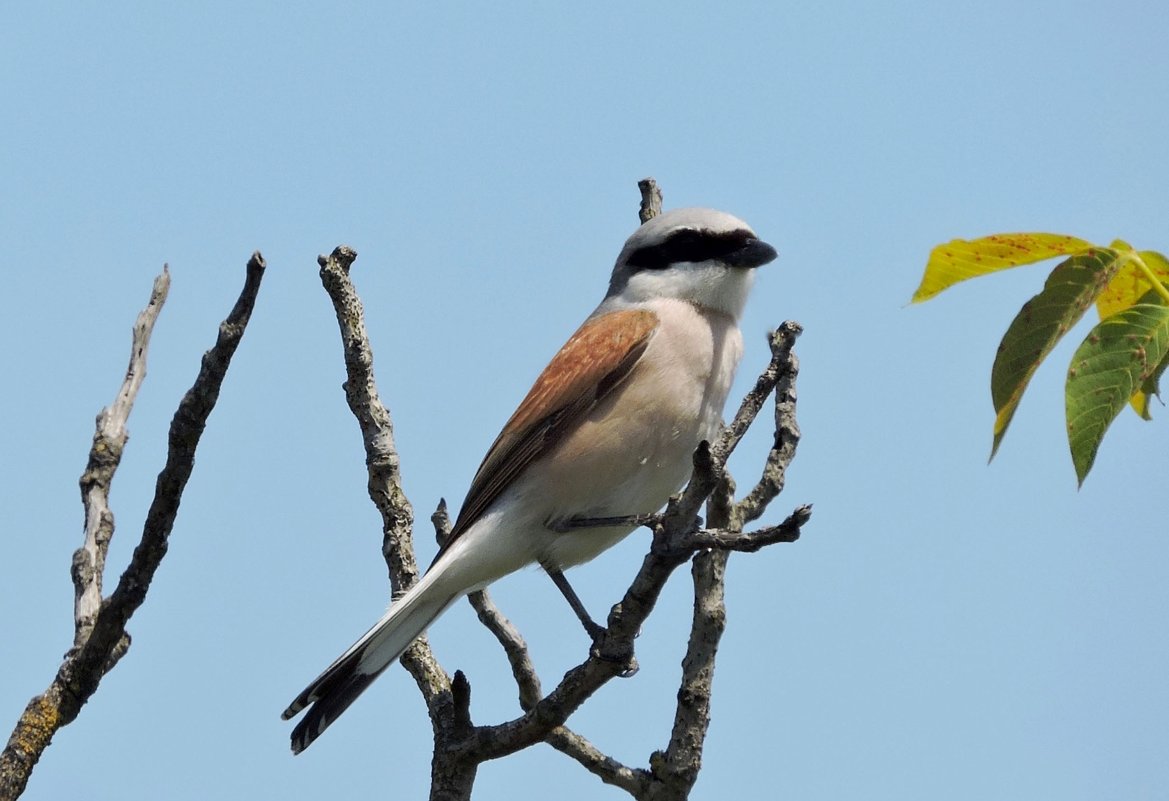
(1150, 276)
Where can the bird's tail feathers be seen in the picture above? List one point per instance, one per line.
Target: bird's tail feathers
(342, 682)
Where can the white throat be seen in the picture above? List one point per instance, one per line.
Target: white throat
(707, 285)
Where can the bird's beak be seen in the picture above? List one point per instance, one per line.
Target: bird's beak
(755, 253)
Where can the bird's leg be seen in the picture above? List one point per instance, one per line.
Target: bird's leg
(596, 632)
(573, 523)
(568, 524)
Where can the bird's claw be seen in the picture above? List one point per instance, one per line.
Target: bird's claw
(625, 658)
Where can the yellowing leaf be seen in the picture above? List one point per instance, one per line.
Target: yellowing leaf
(1157, 263)
(1140, 401)
(1130, 283)
(1120, 354)
(1040, 324)
(961, 259)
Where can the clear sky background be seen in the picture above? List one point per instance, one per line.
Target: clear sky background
(944, 629)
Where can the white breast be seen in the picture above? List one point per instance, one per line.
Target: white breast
(635, 449)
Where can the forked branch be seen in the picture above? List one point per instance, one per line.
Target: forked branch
(100, 637)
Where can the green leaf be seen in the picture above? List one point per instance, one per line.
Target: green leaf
(1150, 387)
(1119, 355)
(1040, 324)
(961, 259)
(1128, 287)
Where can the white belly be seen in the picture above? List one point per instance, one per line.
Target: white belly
(635, 449)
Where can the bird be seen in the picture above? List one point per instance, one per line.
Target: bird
(606, 433)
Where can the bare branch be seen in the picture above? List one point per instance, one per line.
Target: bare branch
(751, 541)
(85, 665)
(611, 659)
(381, 457)
(109, 441)
(782, 341)
(677, 768)
(786, 367)
(377, 429)
(440, 518)
(522, 668)
(185, 431)
(651, 199)
(674, 542)
(634, 781)
(710, 459)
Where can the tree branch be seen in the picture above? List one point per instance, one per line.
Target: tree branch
(381, 458)
(676, 769)
(377, 429)
(675, 540)
(508, 636)
(634, 781)
(523, 670)
(87, 662)
(751, 541)
(109, 441)
(447, 702)
(783, 370)
(651, 200)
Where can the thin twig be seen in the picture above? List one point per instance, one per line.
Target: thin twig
(522, 667)
(109, 442)
(377, 428)
(80, 674)
(632, 780)
(610, 660)
(381, 458)
(782, 340)
(751, 541)
(710, 459)
(651, 199)
(493, 742)
(508, 636)
(787, 431)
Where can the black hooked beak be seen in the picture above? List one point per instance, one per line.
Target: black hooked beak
(755, 253)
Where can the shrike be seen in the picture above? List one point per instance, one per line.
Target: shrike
(608, 430)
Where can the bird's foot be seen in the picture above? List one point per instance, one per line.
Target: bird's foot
(624, 657)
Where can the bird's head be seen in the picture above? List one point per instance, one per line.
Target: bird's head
(702, 256)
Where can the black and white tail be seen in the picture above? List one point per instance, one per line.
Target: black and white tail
(334, 690)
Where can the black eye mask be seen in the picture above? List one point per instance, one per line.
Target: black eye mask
(737, 248)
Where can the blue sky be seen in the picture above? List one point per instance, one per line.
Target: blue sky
(944, 628)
